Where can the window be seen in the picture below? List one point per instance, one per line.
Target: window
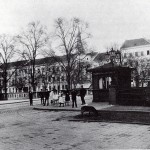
(63, 87)
(142, 53)
(57, 68)
(136, 54)
(148, 52)
(130, 54)
(50, 88)
(125, 55)
(62, 68)
(62, 78)
(53, 69)
(148, 72)
(49, 78)
(66, 86)
(38, 70)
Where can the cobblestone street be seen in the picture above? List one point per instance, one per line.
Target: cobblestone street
(27, 129)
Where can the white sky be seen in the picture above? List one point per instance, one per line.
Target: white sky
(111, 21)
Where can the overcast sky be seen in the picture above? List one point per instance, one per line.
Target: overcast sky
(110, 21)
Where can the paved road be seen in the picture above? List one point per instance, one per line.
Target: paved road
(22, 128)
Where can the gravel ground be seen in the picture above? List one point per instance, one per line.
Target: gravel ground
(27, 129)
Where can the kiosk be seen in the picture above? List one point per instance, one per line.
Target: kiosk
(107, 79)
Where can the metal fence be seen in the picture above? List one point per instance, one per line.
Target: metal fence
(134, 96)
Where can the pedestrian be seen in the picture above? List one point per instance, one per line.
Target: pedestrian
(82, 94)
(31, 97)
(74, 100)
(67, 98)
(51, 96)
(61, 99)
(42, 96)
(46, 98)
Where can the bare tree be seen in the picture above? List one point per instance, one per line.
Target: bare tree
(141, 69)
(71, 36)
(33, 40)
(7, 51)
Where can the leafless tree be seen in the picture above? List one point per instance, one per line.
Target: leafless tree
(33, 40)
(7, 51)
(71, 37)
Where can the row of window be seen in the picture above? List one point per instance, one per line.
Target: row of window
(137, 54)
(52, 69)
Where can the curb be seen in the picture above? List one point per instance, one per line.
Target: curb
(16, 102)
(108, 121)
(47, 109)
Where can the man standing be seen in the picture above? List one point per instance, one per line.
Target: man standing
(74, 100)
(31, 98)
(46, 97)
(82, 94)
(42, 97)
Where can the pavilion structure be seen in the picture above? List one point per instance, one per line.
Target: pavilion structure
(107, 79)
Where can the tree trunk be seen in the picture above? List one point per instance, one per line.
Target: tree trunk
(5, 85)
(68, 81)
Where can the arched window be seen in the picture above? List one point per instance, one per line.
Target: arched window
(104, 82)
(100, 83)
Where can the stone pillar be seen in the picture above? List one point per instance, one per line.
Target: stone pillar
(112, 95)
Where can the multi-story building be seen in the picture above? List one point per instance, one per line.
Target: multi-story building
(48, 74)
(136, 54)
(136, 48)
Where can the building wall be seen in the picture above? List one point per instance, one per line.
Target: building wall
(49, 76)
(137, 51)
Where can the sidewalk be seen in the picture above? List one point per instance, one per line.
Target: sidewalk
(3, 102)
(105, 106)
(88, 100)
(107, 113)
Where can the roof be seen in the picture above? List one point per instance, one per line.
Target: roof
(46, 60)
(100, 57)
(92, 54)
(41, 61)
(135, 42)
(22, 63)
(108, 67)
(18, 63)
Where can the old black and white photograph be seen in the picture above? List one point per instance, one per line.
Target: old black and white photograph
(74, 74)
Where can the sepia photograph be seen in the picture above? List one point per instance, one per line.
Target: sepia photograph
(74, 74)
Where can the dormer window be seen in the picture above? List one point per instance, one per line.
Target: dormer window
(142, 53)
(136, 54)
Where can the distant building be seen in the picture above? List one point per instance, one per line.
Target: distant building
(136, 48)
(49, 74)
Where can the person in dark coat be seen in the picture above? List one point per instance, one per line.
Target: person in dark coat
(67, 98)
(31, 98)
(82, 94)
(74, 99)
(42, 97)
(46, 98)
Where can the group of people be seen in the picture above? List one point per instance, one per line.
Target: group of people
(47, 96)
(74, 95)
(44, 95)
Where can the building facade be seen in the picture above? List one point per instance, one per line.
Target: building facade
(48, 75)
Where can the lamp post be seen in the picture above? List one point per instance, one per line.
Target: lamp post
(113, 56)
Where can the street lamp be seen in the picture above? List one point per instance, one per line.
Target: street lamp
(113, 56)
